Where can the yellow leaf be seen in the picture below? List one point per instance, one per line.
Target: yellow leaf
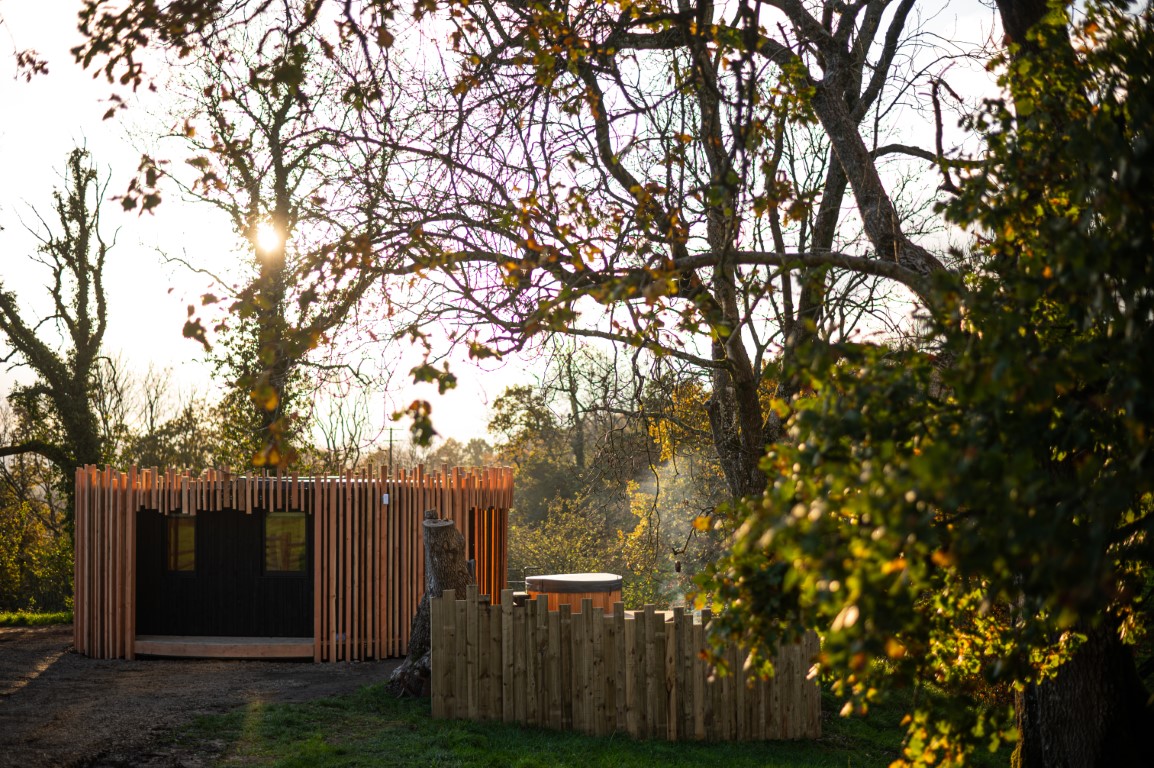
(942, 559)
(894, 649)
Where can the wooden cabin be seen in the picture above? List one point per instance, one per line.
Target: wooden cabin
(270, 566)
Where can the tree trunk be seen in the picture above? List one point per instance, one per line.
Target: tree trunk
(1018, 16)
(1093, 714)
(445, 568)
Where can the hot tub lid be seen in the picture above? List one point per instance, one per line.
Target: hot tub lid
(574, 582)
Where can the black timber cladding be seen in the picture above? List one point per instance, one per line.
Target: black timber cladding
(228, 593)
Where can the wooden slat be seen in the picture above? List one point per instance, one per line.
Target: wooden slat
(319, 553)
(77, 621)
(121, 589)
(373, 511)
(356, 552)
(332, 585)
(532, 664)
(461, 639)
(407, 502)
(494, 663)
(80, 600)
(392, 568)
(106, 556)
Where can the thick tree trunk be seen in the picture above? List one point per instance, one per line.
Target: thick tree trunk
(1093, 714)
(445, 568)
(1018, 16)
(735, 422)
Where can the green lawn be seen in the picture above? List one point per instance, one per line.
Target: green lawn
(370, 728)
(32, 619)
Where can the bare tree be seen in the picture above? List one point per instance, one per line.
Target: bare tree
(342, 421)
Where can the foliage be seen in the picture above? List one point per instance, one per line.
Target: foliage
(572, 538)
(453, 453)
(188, 439)
(35, 560)
(35, 546)
(530, 438)
(643, 558)
(34, 618)
(608, 479)
(973, 516)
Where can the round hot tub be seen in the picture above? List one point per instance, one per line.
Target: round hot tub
(604, 589)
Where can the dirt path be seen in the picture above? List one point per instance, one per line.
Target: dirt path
(58, 708)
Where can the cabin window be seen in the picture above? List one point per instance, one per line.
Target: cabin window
(285, 542)
(181, 544)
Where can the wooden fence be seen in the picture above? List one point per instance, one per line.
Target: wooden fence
(368, 568)
(638, 673)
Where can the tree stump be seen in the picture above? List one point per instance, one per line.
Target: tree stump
(445, 568)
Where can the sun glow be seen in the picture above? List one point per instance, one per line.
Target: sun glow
(268, 238)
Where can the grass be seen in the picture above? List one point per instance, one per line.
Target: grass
(370, 728)
(34, 618)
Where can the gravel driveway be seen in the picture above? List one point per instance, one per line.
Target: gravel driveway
(58, 708)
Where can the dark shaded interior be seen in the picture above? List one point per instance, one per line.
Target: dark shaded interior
(229, 592)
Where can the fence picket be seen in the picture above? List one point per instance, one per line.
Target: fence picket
(507, 657)
(566, 643)
(555, 684)
(437, 660)
(472, 649)
(494, 702)
(461, 655)
(541, 653)
(520, 686)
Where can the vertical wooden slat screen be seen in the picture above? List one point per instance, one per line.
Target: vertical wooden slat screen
(641, 674)
(368, 564)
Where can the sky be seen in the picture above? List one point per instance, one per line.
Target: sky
(40, 121)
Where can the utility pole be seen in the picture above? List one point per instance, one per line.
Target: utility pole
(391, 448)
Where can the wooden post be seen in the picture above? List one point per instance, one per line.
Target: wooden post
(541, 653)
(472, 645)
(438, 654)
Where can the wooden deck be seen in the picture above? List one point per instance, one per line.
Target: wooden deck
(225, 647)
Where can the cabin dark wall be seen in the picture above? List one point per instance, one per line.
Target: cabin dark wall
(229, 594)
